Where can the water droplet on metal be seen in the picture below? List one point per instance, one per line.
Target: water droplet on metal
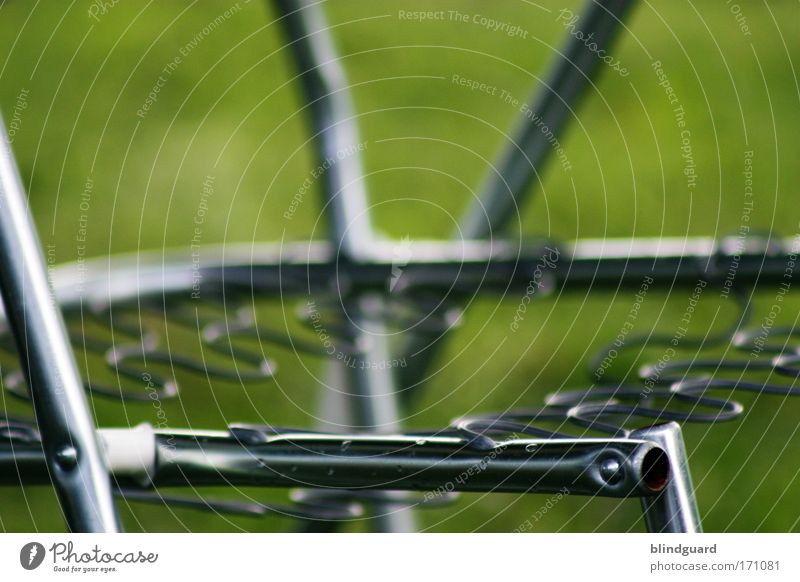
(531, 448)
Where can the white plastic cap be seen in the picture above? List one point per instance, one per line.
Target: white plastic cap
(130, 452)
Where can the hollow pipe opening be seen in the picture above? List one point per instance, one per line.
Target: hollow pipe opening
(655, 469)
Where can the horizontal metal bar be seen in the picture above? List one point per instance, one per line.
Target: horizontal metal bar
(463, 267)
(604, 467)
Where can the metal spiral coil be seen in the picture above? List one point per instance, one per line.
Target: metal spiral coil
(668, 390)
(129, 345)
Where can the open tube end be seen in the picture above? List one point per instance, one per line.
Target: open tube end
(655, 469)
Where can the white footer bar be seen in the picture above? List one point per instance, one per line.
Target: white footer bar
(373, 557)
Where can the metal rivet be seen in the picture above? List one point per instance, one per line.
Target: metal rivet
(67, 457)
(610, 471)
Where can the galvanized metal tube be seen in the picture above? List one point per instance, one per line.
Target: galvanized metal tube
(295, 269)
(553, 104)
(410, 463)
(674, 510)
(607, 467)
(336, 139)
(367, 393)
(65, 423)
(603, 467)
(551, 108)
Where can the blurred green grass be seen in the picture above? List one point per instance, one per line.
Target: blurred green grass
(230, 110)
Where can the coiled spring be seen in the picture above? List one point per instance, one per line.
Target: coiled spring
(125, 336)
(672, 389)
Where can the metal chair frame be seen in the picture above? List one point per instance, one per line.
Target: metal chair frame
(373, 459)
